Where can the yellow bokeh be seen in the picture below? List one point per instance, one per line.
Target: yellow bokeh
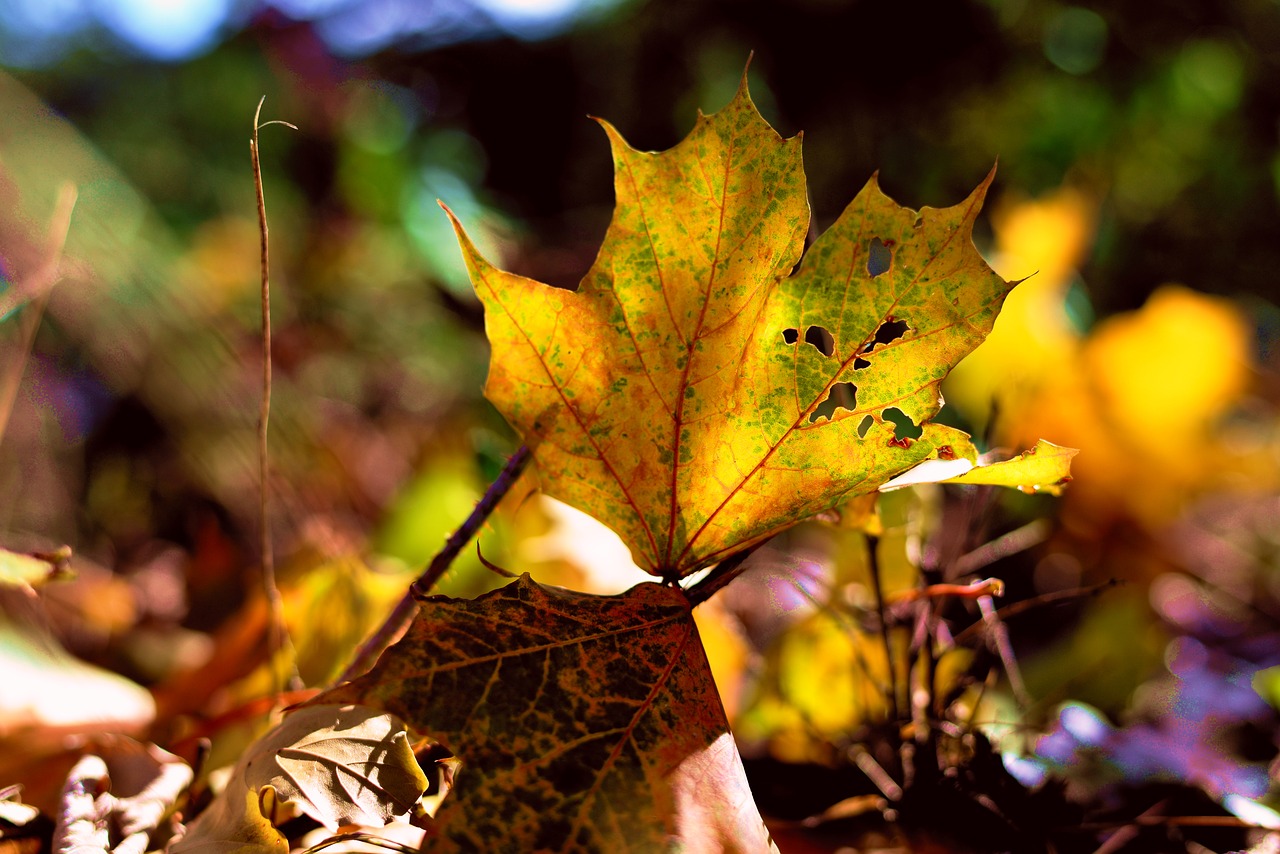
(1144, 396)
(1040, 242)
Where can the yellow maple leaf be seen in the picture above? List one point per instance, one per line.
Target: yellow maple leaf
(695, 395)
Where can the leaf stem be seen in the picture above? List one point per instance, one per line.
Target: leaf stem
(400, 618)
(720, 576)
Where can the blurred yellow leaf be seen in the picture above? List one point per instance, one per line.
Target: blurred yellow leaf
(835, 674)
(1144, 399)
(1166, 373)
(1040, 242)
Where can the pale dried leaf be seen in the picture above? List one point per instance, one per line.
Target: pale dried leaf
(338, 764)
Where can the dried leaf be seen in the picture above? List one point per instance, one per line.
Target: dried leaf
(347, 766)
(339, 765)
(13, 812)
(696, 396)
(236, 823)
(116, 798)
(586, 723)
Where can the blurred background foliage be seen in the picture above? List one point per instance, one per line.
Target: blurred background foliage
(1138, 189)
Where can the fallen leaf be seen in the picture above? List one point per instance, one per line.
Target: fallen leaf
(585, 723)
(339, 765)
(13, 812)
(696, 396)
(45, 689)
(347, 766)
(117, 797)
(236, 823)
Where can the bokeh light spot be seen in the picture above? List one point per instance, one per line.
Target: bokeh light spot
(35, 33)
(1209, 76)
(1075, 40)
(166, 29)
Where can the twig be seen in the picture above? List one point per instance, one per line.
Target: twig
(875, 772)
(484, 507)
(1000, 636)
(279, 636)
(975, 590)
(1028, 536)
(1016, 608)
(37, 287)
(395, 624)
(874, 565)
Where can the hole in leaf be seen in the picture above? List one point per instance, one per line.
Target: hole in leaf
(903, 426)
(891, 330)
(820, 338)
(879, 258)
(859, 364)
(842, 395)
(791, 336)
(865, 426)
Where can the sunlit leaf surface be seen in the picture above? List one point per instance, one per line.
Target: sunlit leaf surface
(584, 723)
(694, 394)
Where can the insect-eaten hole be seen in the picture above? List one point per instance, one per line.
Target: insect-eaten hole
(842, 395)
(879, 258)
(865, 426)
(820, 338)
(903, 426)
(891, 330)
(859, 363)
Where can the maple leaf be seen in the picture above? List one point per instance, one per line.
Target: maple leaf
(695, 395)
(584, 723)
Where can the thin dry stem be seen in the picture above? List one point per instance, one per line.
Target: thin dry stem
(1000, 636)
(882, 614)
(279, 636)
(1044, 599)
(407, 608)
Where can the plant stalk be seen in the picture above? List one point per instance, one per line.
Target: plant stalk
(407, 608)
